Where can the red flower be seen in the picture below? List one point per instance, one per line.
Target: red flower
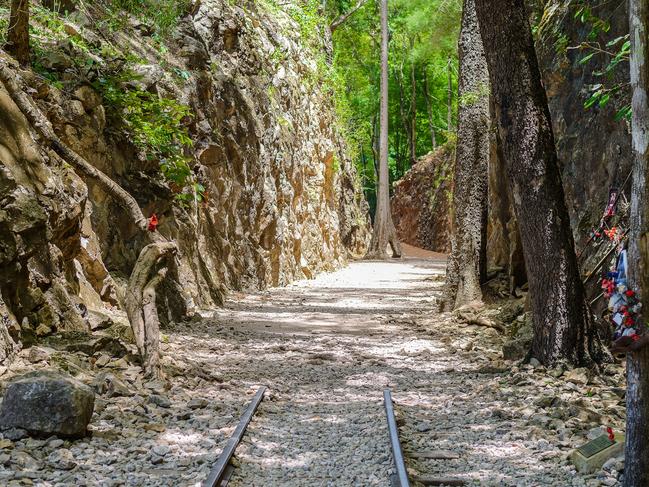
(630, 293)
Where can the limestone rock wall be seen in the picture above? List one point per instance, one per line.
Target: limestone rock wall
(282, 198)
(594, 148)
(42, 206)
(421, 205)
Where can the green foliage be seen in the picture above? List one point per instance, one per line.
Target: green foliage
(154, 125)
(423, 36)
(561, 44)
(162, 14)
(4, 24)
(614, 55)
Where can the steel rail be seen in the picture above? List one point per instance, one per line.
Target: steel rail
(397, 454)
(218, 473)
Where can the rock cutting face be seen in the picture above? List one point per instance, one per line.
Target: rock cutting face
(282, 201)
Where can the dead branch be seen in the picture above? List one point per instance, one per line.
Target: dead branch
(140, 303)
(343, 18)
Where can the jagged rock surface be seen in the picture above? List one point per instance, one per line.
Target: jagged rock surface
(594, 148)
(282, 200)
(421, 207)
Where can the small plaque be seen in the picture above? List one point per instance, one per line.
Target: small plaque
(597, 445)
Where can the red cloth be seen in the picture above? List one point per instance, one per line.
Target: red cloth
(153, 223)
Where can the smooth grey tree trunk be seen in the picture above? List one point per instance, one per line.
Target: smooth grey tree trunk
(563, 329)
(468, 245)
(636, 469)
(384, 232)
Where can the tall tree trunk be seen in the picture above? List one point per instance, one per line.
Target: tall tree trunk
(413, 110)
(375, 150)
(563, 329)
(384, 231)
(468, 255)
(404, 117)
(636, 469)
(429, 109)
(449, 102)
(145, 323)
(18, 32)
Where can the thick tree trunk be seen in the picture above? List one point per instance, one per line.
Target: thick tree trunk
(467, 259)
(429, 109)
(636, 470)
(18, 32)
(563, 330)
(384, 232)
(145, 263)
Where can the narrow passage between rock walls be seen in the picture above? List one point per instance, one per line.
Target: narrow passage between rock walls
(326, 349)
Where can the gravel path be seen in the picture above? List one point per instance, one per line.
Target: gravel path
(326, 349)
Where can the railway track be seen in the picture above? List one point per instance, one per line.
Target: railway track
(401, 478)
(222, 471)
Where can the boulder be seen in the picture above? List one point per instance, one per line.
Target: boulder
(47, 403)
(517, 349)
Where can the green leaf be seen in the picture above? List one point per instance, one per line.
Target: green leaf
(615, 41)
(586, 58)
(623, 113)
(592, 100)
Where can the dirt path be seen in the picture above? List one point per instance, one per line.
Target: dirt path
(326, 349)
(323, 347)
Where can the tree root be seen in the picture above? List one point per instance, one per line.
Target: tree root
(140, 301)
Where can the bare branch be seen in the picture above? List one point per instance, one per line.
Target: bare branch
(343, 18)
